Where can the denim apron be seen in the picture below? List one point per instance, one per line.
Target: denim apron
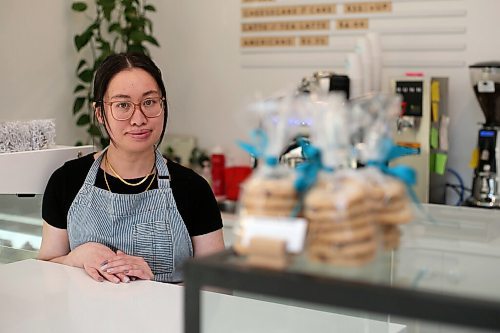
(146, 224)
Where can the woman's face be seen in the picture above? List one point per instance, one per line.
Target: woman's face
(138, 133)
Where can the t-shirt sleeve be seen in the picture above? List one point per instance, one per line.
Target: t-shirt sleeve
(53, 205)
(205, 210)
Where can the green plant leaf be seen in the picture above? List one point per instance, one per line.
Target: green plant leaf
(151, 8)
(82, 40)
(86, 75)
(94, 130)
(79, 6)
(92, 27)
(77, 106)
(80, 64)
(137, 36)
(115, 27)
(78, 88)
(105, 47)
(83, 120)
(130, 12)
(107, 7)
(136, 48)
(152, 40)
(79, 143)
(104, 142)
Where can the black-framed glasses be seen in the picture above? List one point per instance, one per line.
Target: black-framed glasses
(150, 107)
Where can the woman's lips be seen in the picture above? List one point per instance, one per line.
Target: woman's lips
(140, 135)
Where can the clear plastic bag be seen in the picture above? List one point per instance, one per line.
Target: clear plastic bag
(340, 220)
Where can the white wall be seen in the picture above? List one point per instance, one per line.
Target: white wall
(201, 60)
(37, 62)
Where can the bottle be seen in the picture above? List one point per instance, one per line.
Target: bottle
(218, 161)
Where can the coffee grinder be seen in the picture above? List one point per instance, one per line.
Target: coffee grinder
(485, 78)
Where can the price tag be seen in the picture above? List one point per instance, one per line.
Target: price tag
(352, 24)
(367, 7)
(314, 41)
(291, 230)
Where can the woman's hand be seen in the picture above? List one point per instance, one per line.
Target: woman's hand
(121, 263)
(91, 256)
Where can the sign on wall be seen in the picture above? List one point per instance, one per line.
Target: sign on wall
(302, 26)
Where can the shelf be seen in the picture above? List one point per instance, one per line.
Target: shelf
(27, 172)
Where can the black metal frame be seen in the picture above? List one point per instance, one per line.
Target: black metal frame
(215, 271)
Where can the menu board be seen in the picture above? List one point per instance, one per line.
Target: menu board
(299, 26)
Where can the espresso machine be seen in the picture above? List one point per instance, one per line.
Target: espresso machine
(321, 82)
(485, 79)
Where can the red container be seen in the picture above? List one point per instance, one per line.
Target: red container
(218, 162)
(234, 176)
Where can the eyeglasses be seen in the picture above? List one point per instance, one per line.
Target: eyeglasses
(150, 107)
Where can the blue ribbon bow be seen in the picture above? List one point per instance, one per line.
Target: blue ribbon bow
(258, 146)
(403, 172)
(307, 172)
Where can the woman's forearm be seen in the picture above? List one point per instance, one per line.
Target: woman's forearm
(65, 260)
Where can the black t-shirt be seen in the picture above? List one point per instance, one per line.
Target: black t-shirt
(193, 196)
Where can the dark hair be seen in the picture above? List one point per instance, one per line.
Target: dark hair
(116, 63)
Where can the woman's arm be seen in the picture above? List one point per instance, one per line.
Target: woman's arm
(89, 256)
(55, 244)
(208, 243)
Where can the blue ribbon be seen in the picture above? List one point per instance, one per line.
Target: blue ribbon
(307, 172)
(258, 146)
(403, 172)
(406, 174)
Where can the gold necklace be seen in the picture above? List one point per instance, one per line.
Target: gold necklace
(147, 188)
(123, 180)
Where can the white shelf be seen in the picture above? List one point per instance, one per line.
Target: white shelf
(27, 172)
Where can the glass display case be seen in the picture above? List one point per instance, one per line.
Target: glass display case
(20, 227)
(23, 177)
(446, 271)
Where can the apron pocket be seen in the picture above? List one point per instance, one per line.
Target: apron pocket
(153, 242)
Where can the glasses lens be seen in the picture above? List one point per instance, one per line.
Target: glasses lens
(152, 107)
(122, 110)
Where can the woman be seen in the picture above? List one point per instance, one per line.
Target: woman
(126, 213)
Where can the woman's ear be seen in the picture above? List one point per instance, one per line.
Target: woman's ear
(98, 113)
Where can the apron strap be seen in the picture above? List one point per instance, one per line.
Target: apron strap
(162, 169)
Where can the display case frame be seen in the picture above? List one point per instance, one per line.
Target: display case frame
(465, 236)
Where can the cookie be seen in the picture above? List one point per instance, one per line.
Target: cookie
(324, 213)
(328, 225)
(261, 202)
(396, 217)
(340, 237)
(269, 187)
(267, 212)
(338, 194)
(324, 254)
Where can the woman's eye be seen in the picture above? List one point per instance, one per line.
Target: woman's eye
(149, 102)
(123, 105)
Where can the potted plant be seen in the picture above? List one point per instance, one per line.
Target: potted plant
(114, 26)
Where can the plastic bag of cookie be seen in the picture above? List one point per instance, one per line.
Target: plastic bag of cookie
(341, 230)
(270, 192)
(391, 205)
(375, 117)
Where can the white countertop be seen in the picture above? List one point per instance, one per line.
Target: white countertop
(38, 296)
